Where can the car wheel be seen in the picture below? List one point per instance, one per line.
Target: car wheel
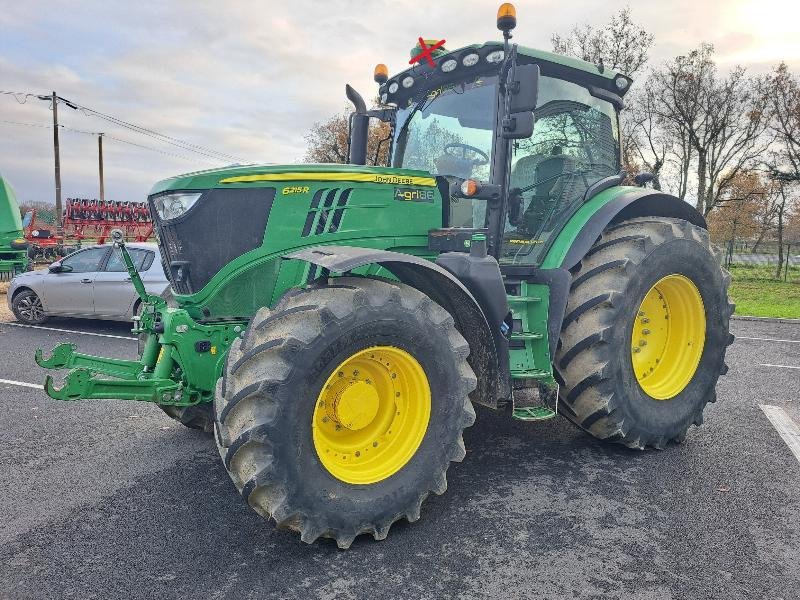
(27, 307)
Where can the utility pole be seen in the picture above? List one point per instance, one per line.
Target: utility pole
(100, 164)
(58, 165)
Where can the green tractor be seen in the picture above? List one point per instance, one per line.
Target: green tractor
(334, 324)
(13, 247)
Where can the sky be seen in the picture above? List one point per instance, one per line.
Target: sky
(249, 79)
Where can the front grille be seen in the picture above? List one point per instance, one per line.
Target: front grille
(328, 217)
(221, 226)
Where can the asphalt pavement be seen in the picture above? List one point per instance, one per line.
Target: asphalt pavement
(107, 500)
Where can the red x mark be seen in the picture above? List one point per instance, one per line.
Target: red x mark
(427, 52)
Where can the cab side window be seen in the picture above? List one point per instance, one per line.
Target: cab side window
(574, 144)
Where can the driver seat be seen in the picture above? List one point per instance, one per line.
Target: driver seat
(553, 185)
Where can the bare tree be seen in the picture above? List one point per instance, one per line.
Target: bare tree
(737, 212)
(646, 138)
(329, 141)
(620, 44)
(783, 101)
(722, 118)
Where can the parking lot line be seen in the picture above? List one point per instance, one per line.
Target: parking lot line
(785, 427)
(106, 335)
(779, 366)
(760, 339)
(37, 386)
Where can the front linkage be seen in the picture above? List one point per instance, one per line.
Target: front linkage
(177, 350)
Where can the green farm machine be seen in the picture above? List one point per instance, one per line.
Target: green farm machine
(334, 324)
(13, 247)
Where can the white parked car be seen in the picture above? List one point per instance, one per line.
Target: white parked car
(91, 283)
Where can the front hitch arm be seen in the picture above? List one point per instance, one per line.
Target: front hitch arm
(64, 356)
(80, 384)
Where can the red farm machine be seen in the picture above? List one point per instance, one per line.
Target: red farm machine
(84, 220)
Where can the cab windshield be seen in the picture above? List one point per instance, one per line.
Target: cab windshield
(450, 131)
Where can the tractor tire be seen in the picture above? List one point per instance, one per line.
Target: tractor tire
(27, 307)
(645, 333)
(318, 380)
(199, 416)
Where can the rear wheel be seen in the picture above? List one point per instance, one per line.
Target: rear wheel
(644, 338)
(342, 408)
(28, 308)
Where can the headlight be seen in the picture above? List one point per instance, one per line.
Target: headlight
(170, 206)
(408, 82)
(449, 65)
(496, 56)
(384, 98)
(470, 60)
(393, 87)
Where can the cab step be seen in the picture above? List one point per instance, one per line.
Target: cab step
(533, 374)
(524, 335)
(533, 413)
(523, 299)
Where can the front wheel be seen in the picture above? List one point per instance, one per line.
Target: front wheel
(342, 408)
(644, 337)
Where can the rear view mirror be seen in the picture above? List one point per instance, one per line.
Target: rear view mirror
(518, 125)
(524, 89)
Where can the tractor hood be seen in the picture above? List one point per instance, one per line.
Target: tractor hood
(222, 232)
(275, 174)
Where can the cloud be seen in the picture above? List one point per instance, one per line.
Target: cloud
(250, 78)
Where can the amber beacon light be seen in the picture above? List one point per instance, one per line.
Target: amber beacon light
(506, 17)
(381, 73)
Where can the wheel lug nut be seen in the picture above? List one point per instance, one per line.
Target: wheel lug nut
(645, 320)
(642, 343)
(636, 350)
(646, 331)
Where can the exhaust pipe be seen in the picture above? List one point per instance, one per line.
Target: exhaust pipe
(359, 128)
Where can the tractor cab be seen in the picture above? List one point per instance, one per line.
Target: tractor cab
(537, 132)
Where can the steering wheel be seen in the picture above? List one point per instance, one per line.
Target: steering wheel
(476, 162)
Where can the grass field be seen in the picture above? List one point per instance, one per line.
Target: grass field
(757, 294)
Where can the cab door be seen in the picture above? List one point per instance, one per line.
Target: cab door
(71, 291)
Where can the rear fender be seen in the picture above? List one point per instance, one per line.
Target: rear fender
(584, 228)
(442, 287)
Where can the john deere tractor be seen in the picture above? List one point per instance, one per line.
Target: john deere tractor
(13, 247)
(334, 324)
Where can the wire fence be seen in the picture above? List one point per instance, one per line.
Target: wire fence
(765, 260)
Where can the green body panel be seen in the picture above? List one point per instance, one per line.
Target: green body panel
(11, 260)
(561, 245)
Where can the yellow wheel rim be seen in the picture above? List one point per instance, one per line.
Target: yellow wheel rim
(668, 337)
(371, 415)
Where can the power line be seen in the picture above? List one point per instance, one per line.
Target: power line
(151, 133)
(93, 133)
(22, 98)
